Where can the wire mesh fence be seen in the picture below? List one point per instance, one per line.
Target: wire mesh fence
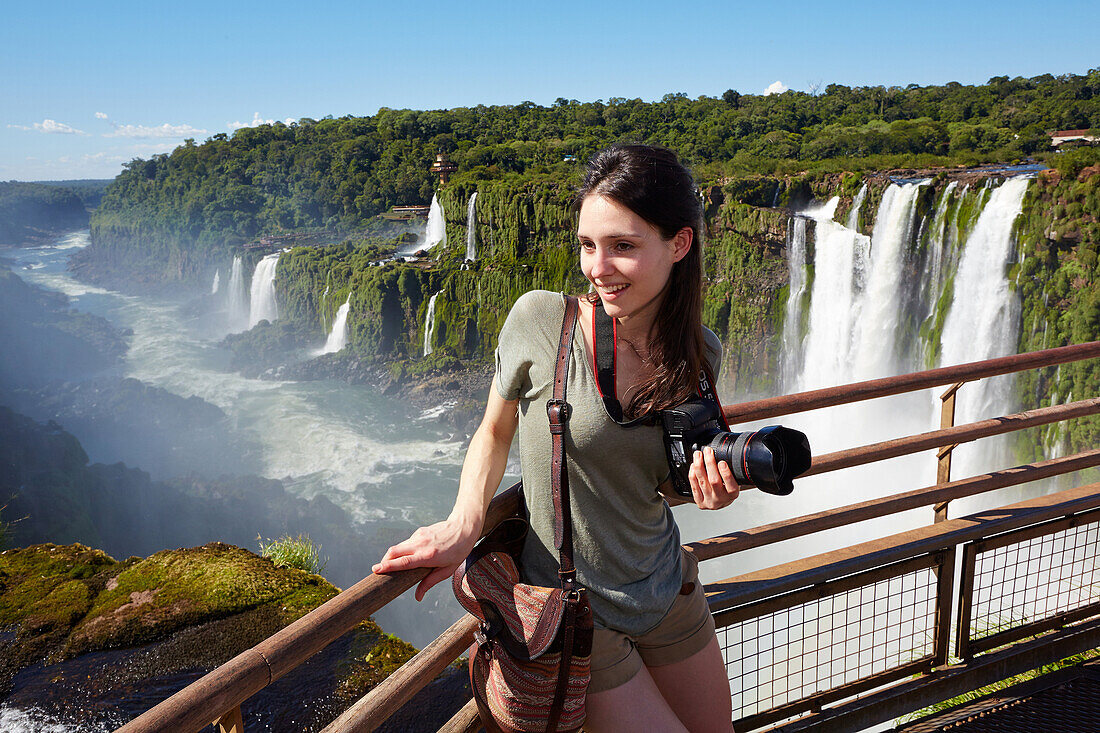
(1027, 581)
(783, 652)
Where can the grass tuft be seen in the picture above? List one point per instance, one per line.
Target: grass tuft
(294, 552)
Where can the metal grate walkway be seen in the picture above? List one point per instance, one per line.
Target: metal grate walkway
(1066, 701)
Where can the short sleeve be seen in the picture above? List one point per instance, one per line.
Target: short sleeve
(713, 351)
(522, 345)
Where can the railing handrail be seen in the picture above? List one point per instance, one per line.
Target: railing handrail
(887, 386)
(226, 687)
(825, 566)
(807, 524)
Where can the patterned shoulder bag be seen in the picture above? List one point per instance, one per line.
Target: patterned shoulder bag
(530, 662)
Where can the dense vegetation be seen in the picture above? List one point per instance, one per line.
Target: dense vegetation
(31, 211)
(338, 173)
(1058, 279)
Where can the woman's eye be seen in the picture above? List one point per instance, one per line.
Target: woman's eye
(624, 246)
(587, 246)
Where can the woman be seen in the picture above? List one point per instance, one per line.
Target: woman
(656, 663)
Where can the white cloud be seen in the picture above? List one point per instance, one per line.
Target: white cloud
(256, 120)
(776, 87)
(101, 115)
(165, 130)
(52, 127)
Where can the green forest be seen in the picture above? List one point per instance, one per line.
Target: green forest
(337, 173)
(31, 211)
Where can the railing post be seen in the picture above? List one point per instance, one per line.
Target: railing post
(943, 469)
(231, 722)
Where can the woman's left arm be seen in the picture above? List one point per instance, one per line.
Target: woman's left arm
(712, 482)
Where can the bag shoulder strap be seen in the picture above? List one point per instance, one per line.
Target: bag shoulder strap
(558, 410)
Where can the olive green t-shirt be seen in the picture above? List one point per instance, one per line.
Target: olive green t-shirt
(625, 540)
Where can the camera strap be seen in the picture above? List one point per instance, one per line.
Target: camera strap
(605, 340)
(604, 357)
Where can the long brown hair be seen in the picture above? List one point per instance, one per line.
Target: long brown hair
(652, 183)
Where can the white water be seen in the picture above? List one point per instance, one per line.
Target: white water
(217, 282)
(471, 227)
(14, 720)
(429, 324)
(876, 352)
(365, 452)
(262, 305)
(857, 206)
(841, 266)
(792, 323)
(238, 297)
(983, 322)
(435, 231)
(338, 336)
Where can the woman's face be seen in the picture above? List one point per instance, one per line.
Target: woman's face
(625, 257)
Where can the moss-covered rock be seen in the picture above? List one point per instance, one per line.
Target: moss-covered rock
(66, 600)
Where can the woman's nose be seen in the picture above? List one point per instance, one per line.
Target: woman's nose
(600, 264)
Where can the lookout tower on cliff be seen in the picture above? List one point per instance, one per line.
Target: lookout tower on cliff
(444, 167)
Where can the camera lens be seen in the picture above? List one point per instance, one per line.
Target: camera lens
(769, 458)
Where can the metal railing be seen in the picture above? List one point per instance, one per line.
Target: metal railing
(838, 641)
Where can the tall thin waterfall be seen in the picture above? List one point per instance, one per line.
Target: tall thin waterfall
(338, 336)
(435, 231)
(857, 205)
(217, 282)
(429, 324)
(983, 320)
(877, 352)
(238, 297)
(792, 323)
(262, 305)
(471, 226)
(841, 264)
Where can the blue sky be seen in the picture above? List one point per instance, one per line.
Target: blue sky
(85, 87)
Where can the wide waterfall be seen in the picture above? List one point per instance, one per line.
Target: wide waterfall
(238, 297)
(435, 231)
(429, 324)
(471, 226)
(217, 282)
(338, 336)
(871, 313)
(262, 305)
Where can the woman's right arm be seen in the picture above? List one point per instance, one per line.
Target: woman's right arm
(444, 545)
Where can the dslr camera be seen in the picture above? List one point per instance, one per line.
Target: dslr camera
(768, 458)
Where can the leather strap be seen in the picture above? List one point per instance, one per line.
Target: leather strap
(558, 411)
(569, 627)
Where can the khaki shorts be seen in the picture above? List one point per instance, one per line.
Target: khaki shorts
(686, 629)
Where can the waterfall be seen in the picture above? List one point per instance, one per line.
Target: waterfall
(471, 226)
(338, 336)
(876, 349)
(792, 322)
(857, 205)
(983, 319)
(429, 324)
(841, 258)
(262, 306)
(238, 297)
(435, 231)
(217, 282)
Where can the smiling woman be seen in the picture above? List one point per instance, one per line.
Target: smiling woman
(654, 652)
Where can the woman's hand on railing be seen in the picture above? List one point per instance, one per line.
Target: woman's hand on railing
(442, 546)
(712, 482)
